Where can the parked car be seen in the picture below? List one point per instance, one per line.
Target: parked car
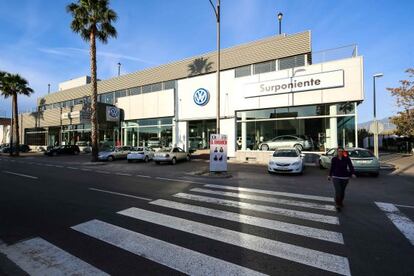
(171, 155)
(140, 153)
(289, 160)
(154, 142)
(364, 161)
(111, 154)
(300, 142)
(22, 148)
(84, 146)
(66, 149)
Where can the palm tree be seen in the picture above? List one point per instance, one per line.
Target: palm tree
(12, 85)
(92, 19)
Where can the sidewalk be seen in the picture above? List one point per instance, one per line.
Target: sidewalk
(404, 164)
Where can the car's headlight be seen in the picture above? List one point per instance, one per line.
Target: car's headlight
(271, 163)
(297, 163)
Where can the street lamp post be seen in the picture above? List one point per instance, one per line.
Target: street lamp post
(376, 153)
(217, 13)
(119, 69)
(279, 17)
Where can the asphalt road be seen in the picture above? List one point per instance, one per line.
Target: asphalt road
(66, 215)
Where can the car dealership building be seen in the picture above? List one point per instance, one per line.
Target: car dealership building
(269, 88)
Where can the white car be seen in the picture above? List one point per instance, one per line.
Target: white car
(140, 154)
(286, 161)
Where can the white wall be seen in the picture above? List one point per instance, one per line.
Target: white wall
(148, 105)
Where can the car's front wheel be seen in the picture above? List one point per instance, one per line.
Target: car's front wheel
(188, 158)
(146, 159)
(174, 161)
(321, 166)
(111, 158)
(264, 147)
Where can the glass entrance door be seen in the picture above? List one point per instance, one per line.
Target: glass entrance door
(199, 134)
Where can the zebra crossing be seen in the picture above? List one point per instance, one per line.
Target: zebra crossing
(205, 202)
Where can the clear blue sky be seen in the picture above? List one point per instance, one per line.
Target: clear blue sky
(36, 41)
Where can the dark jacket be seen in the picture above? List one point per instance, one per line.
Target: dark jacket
(339, 167)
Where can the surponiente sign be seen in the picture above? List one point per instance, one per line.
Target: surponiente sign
(310, 82)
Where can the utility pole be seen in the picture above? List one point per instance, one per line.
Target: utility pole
(217, 13)
(376, 151)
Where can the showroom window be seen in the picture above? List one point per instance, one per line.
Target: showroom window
(169, 84)
(120, 94)
(264, 67)
(309, 123)
(154, 133)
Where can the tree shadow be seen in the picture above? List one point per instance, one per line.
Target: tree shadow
(199, 66)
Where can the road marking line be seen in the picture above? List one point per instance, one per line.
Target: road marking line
(262, 208)
(39, 257)
(22, 175)
(59, 166)
(168, 179)
(124, 174)
(72, 168)
(294, 253)
(120, 194)
(255, 221)
(401, 221)
(404, 206)
(105, 172)
(268, 192)
(145, 176)
(173, 256)
(268, 199)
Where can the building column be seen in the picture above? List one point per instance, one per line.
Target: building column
(333, 127)
(244, 132)
(125, 137)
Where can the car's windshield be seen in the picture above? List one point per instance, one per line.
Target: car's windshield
(165, 149)
(285, 153)
(360, 153)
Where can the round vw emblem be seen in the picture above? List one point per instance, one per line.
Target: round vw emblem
(201, 96)
(113, 112)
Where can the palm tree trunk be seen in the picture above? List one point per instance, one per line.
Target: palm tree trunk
(15, 125)
(94, 98)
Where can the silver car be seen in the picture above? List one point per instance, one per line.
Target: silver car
(112, 154)
(171, 155)
(140, 153)
(300, 142)
(364, 161)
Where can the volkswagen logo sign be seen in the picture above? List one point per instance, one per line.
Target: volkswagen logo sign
(201, 96)
(113, 112)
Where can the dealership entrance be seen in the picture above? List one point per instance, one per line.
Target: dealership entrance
(199, 134)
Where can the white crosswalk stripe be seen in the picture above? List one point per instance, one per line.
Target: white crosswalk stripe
(261, 208)
(173, 256)
(267, 199)
(267, 192)
(400, 220)
(260, 222)
(310, 257)
(39, 257)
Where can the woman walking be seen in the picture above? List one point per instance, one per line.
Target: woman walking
(341, 170)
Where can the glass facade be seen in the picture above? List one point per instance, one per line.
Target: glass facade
(155, 133)
(317, 127)
(199, 134)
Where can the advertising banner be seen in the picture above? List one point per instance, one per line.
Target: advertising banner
(112, 114)
(218, 153)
